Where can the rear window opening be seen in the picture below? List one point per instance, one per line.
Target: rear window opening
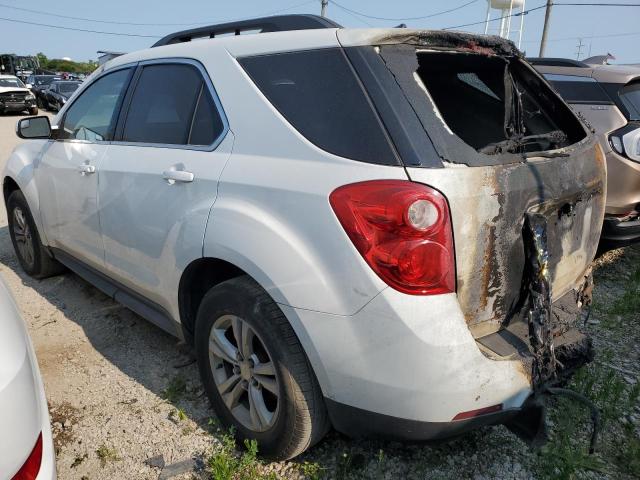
(496, 104)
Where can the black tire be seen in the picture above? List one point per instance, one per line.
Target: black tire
(40, 264)
(301, 420)
(33, 111)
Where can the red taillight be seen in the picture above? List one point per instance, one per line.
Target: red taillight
(31, 467)
(403, 231)
(477, 413)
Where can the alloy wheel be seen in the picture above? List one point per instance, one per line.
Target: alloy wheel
(244, 373)
(23, 236)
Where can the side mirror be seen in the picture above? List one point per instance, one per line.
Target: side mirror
(29, 86)
(33, 127)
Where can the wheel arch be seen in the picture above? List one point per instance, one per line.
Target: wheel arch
(205, 273)
(200, 276)
(9, 185)
(19, 174)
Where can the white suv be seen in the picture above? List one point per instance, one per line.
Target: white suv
(387, 231)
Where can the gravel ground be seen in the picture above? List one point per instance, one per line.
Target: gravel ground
(122, 392)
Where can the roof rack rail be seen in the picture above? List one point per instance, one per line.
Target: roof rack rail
(277, 23)
(556, 62)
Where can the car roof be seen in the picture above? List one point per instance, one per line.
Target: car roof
(603, 73)
(4, 75)
(297, 40)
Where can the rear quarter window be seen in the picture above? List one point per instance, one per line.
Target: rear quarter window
(574, 89)
(320, 95)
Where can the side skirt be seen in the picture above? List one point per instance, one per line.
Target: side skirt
(147, 309)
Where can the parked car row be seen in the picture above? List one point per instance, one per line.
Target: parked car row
(52, 91)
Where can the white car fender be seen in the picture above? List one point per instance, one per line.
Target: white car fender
(20, 167)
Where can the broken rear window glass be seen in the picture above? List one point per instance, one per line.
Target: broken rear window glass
(490, 103)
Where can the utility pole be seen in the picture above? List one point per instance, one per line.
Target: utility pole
(547, 18)
(323, 8)
(579, 48)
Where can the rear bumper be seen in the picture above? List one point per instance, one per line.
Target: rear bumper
(357, 423)
(407, 357)
(405, 366)
(616, 233)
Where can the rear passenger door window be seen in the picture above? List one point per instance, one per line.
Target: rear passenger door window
(172, 105)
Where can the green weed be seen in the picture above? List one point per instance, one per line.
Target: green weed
(107, 454)
(227, 465)
(175, 390)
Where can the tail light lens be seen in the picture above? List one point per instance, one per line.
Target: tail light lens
(30, 469)
(403, 231)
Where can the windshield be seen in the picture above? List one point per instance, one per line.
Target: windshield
(43, 80)
(67, 87)
(630, 96)
(25, 63)
(11, 83)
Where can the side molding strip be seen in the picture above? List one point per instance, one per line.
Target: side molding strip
(147, 309)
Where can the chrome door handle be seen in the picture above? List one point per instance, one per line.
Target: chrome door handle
(85, 169)
(178, 176)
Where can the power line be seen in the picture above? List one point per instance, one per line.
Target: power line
(361, 14)
(359, 19)
(586, 37)
(544, 6)
(102, 32)
(77, 29)
(50, 14)
(599, 4)
(115, 22)
(497, 18)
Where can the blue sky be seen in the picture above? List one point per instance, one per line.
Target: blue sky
(603, 29)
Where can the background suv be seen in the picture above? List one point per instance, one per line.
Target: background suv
(15, 96)
(608, 97)
(317, 211)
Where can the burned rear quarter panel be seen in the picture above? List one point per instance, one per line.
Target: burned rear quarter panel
(488, 206)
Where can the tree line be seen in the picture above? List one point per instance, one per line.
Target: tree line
(60, 65)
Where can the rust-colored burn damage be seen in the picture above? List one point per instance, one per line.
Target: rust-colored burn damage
(446, 40)
(489, 215)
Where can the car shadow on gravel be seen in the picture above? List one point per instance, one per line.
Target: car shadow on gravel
(142, 351)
